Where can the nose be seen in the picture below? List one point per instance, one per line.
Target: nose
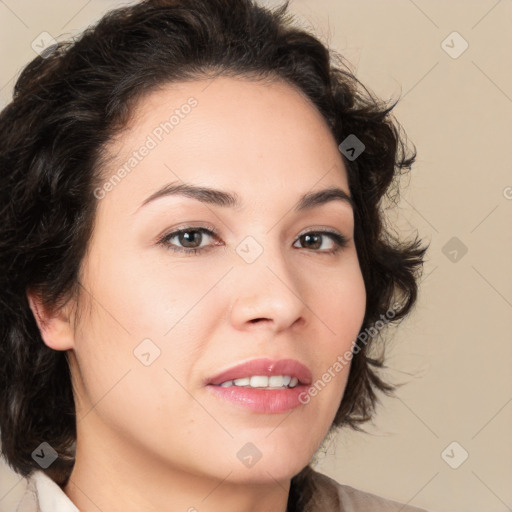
(268, 292)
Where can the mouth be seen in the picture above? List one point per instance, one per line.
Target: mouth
(262, 386)
(264, 374)
(263, 382)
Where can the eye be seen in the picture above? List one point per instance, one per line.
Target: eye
(190, 239)
(313, 239)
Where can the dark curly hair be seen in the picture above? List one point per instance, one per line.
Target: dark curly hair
(69, 103)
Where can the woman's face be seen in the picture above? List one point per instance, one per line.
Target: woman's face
(163, 322)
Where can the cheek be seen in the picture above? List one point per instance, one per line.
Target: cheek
(125, 366)
(341, 309)
(147, 298)
(142, 307)
(343, 302)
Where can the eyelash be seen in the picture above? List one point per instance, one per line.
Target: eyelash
(339, 240)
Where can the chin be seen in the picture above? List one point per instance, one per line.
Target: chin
(269, 471)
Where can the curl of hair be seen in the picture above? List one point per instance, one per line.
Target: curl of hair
(67, 106)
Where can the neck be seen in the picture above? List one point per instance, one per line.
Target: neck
(110, 477)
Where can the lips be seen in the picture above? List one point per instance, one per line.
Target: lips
(267, 367)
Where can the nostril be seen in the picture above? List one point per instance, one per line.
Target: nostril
(254, 320)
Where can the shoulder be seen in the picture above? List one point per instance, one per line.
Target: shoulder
(42, 494)
(29, 499)
(331, 496)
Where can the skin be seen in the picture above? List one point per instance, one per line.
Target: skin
(153, 437)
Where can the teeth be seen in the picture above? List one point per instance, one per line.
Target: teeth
(262, 381)
(276, 381)
(259, 381)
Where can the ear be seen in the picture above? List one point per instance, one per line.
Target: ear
(55, 327)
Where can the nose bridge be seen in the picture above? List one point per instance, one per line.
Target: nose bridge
(263, 255)
(265, 286)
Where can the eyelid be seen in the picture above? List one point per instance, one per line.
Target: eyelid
(188, 227)
(321, 229)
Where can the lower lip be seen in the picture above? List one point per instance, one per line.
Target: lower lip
(262, 400)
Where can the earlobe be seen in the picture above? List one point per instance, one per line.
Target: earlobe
(55, 326)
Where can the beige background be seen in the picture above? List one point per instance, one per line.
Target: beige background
(454, 352)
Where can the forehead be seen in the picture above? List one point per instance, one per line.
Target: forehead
(231, 132)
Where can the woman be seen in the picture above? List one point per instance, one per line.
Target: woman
(194, 263)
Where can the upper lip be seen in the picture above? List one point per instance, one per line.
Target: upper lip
(266, 367)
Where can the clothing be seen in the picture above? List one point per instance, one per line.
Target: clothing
(42, 494)
(335, 497)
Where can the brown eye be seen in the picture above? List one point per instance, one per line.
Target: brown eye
(314, 240)
(187, 240)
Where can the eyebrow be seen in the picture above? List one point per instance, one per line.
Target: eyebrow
(231, 199)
